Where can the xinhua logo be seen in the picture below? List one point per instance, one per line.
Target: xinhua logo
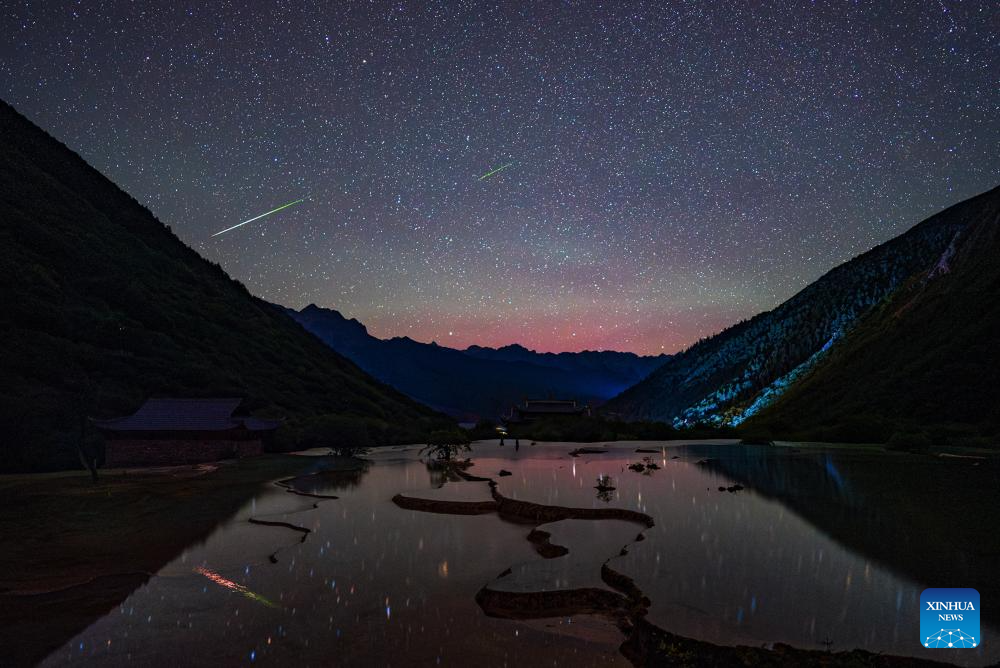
(949, 618)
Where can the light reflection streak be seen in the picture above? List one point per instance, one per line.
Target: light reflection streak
(234, 586)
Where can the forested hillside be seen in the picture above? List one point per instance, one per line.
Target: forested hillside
(731, 376)
(924, 367)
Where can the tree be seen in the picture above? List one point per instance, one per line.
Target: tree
(445, 444)
(85, 442)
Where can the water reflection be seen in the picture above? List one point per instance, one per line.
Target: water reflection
(889, 508)
(441, 472)
(605, 488)
(605, 495)
(375, 584)
(233, 586)
(780, 474)
(347, 474)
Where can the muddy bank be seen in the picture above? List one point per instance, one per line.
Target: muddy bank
(535, 513)
(310, 494)
(287, 525)
(445, 507)
(543, 546)
(626, 585)
(587, 451)
(512, 510)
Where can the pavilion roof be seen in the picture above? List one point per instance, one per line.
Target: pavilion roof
(172, 414)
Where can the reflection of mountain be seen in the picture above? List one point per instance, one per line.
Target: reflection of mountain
(477, 381)
(775, 474)
(40, 624)
(94, 549)
(328, 482)
(891, 512)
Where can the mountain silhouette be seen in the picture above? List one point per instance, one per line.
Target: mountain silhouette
(104, 306)
(477, 382)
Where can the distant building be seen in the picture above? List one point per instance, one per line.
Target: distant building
(534, 409)
(166, 432)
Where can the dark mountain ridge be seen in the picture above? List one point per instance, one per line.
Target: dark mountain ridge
(731, 376)
(477, 382)
(630, 367)
(104, 306)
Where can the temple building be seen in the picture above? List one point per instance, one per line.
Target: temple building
(534, 409)
(168, 432)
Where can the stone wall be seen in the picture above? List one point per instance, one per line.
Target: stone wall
(119, 453)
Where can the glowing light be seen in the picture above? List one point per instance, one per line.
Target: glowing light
(283, 206)
(495, 171)
(234, 586)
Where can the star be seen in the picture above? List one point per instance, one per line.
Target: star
(656, 200)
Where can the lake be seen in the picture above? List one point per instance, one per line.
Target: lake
(792, 549)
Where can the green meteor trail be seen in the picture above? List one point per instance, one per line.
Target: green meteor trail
(283, 206)
(495, 171)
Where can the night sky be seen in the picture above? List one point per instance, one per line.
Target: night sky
(676, 167)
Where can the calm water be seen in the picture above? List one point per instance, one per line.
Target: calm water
(374, 584)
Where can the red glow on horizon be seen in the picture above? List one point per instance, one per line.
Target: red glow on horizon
(555, 334)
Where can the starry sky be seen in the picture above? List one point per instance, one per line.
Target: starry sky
(674, 166)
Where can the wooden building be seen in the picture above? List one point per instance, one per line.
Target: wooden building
(534, 409)
(167, 432)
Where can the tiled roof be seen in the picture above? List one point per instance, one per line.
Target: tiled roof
(186, 415)
(550, 406)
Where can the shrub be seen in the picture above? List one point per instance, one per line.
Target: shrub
(445, 444)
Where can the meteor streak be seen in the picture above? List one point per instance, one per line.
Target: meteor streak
(495, 171)
(283, 206)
